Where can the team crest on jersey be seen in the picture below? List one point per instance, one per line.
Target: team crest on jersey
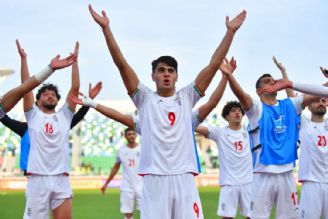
(279, 124)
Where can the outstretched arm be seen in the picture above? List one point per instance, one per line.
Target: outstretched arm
(215, 98)
(205, 77)
(11, 98)
(112, 174)
(79, 115)
(202, 130)
(130, 78)
(75, 86)
(106, 111)
(28, 98)
(281, 67)
(14, 125)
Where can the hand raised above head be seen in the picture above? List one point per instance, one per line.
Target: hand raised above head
(103, 20)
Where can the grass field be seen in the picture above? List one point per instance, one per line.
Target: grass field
(90, 204)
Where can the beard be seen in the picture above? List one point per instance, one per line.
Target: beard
(49, 106)
(320, 111)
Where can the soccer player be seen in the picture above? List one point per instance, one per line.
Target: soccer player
(168, 159)
(21, 128)
(129, 156)
(313, 161)
(11, 98)
(274, 133)
(48, 186)
(236, 171)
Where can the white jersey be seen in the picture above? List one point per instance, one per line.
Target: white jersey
(168, 145)
(129, 159)
(254, 115)
(49, 138)
(313, 151)
(234, 155)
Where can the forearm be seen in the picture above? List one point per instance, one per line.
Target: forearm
(75, 86)
(79, 115)
(317, 90)
(205, 77)
(16, 126)
(115, 115)
(244, 99)
(130, 79)
(24, 76)
(112, 173)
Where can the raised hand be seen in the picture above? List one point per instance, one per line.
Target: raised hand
(103, 189)
(279, 85)
(76, 49)
(103, 20)
(228, 67)
(21, 51)
(57, 63)
(76, 100)
(94, 91)
(279, 65)
(324, 71)
(235, 23)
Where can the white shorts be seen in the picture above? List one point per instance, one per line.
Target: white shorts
(170, 197)
(231, 197)
(45, 192)
(2, 110)
(274, 190)
(314, 200)
(128, 199)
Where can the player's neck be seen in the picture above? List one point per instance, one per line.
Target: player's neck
(165, 93)
(234, 125)
(269, 100)
(317, 118)
(47, 111)
(132, 144)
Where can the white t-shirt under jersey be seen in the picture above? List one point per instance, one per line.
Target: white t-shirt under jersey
(129, 159)
(254, 115)
(49, 138)
(234, 155)
(313, 151)
(167, 137)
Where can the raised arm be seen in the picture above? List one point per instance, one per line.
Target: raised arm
(28, 98)
(205, 77)
(215, 98)
(11, 98)
(112, 174)
(75, 86)
(203, 130)
(79, 115)
(281, 67)
(106, 111)
(130, 78)
(243, 97)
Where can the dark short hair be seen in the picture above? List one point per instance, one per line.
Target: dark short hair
(229, 106)
(169, 60)
(45, 87)
(127, 130)
(257, 85)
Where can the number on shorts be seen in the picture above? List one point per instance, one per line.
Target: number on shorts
(196, 209)
(171, 117)
(48, 128)
(294, 198)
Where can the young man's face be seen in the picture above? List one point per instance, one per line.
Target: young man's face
(266, 82)
(131, 136)
(48, 99)
(318, 107)
(165, 77)
(235, 115)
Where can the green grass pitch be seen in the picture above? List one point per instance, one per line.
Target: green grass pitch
(91, 204)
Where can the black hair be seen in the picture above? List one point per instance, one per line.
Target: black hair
(257, 85)
(127, 130)
(45, 87)
(169, 60)
(229, 106)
